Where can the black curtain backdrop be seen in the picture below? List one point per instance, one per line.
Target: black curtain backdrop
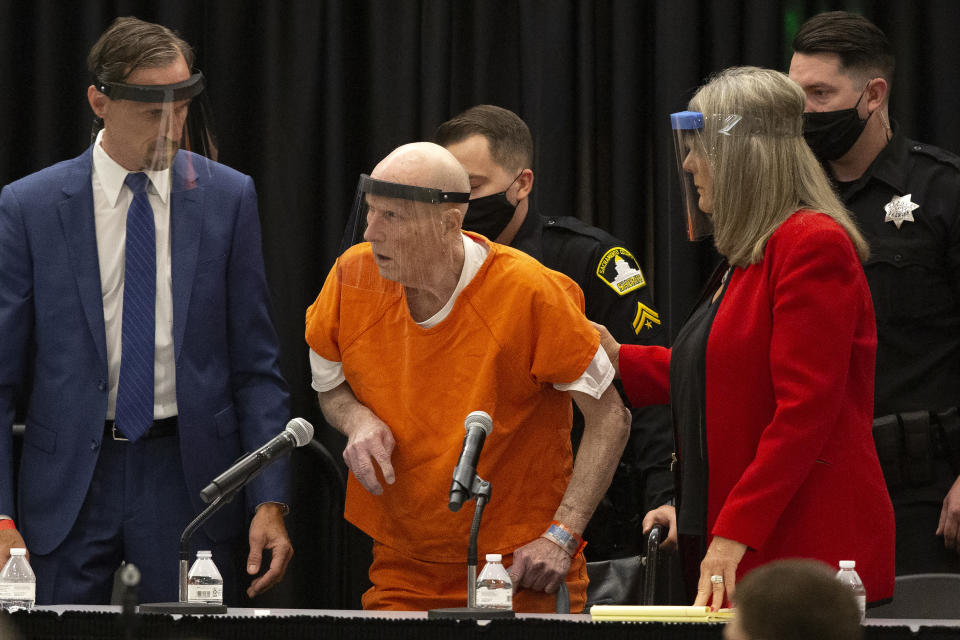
(308, 94)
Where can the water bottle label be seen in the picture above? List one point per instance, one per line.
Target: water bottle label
(495, 598)
(18, 591)
(205, 593)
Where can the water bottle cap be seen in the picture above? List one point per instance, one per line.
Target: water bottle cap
(494, 557)
(204, 554)
(848, 564)
(18, 551)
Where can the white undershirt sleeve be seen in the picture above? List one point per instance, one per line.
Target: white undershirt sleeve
(595, 379)
(326, 374)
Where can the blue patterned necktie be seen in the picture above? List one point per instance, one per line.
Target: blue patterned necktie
(134, 414)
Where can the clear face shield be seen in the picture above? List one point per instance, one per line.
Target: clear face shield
(155, 121)
(702, 142)
(695, 172)
(413, 231)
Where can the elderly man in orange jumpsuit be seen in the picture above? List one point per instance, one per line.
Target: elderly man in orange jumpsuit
(424, 323)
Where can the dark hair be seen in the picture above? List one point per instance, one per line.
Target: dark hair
(861, 46)
(796, 600)
(129, 44)
(511, 144)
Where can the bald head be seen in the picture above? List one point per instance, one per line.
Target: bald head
(423, 164)
(417, 242)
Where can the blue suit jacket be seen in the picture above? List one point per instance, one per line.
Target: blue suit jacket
(231, 397)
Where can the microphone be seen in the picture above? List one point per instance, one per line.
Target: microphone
(297, 433)
(478, 426)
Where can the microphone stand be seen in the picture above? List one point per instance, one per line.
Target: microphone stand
(480, 489)
(183, 606)
(128, 578)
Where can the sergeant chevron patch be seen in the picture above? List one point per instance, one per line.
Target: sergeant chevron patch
(645, 319)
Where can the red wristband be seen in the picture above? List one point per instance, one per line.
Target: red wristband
(7, 523)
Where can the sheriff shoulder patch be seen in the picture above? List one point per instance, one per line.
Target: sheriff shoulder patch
(620, 270)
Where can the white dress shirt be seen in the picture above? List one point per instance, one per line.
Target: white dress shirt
(111, 199)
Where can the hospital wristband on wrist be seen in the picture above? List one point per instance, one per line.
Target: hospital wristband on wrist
(564, 538)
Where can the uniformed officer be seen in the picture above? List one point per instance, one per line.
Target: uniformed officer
(496, 148)
(905, 196)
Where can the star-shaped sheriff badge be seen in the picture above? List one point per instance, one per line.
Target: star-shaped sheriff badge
(900, 209)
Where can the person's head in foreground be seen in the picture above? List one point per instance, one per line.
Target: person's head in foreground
(749, 163)
(794, 600)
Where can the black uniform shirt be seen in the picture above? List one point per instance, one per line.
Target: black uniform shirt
(616, 295)
(913, 272)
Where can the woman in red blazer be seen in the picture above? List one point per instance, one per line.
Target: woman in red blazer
(771, 378)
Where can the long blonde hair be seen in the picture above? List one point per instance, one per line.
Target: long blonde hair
(762, 168)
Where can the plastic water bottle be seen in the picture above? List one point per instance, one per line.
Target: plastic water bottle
(494, 589)
(18, 584)
(204, 582)
(848, 577)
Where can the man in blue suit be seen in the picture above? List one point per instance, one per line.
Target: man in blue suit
(111, 471)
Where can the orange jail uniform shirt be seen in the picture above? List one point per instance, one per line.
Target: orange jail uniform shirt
(516, 329)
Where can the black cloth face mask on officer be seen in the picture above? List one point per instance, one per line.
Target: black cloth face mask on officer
(831, 134)
(490, 215)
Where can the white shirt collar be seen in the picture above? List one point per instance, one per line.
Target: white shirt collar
(112, 175)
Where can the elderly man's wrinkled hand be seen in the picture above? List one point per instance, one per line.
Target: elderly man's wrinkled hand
(540, 565)
(369, 447)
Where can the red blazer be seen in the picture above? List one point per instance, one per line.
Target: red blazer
(793, 471)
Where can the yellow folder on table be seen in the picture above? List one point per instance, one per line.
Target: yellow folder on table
(656, 613)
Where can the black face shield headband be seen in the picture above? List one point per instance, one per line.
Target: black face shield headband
(176, 92)
(408, 192)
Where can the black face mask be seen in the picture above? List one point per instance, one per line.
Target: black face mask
(490, 215)
(831, 134)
